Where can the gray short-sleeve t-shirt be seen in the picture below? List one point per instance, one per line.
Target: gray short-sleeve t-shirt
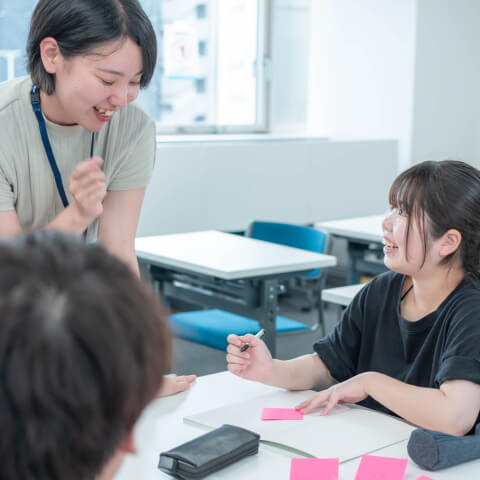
(27, 185)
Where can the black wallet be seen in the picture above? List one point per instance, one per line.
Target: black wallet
(209, 452)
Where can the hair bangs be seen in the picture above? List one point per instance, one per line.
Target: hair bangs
(406, 193)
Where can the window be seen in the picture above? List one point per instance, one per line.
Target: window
(212, 63)
(212, 70)
(14, 24)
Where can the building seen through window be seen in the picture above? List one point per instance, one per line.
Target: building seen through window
(210, 75)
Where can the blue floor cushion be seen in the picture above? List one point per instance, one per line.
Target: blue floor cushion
(211, 327)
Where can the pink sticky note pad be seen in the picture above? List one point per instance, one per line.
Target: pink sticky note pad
(381, 468)
(281, 414)
(423, 477)
(314, 469)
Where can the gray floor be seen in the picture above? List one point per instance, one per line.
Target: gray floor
(190, 357)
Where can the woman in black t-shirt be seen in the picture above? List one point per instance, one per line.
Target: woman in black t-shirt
(409, 343)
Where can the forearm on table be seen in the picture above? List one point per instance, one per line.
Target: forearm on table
(428, 408)
(301, 373)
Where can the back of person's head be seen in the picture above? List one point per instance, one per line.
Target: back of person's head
(441, 196)
(79, 26)
(83, 348)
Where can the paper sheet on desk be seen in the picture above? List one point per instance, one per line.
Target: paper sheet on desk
(347, 432)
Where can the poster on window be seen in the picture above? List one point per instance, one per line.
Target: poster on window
(180, 51)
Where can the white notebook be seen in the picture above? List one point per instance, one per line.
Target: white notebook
(347, 432)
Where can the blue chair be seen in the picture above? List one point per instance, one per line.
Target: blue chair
(296, 236)
(311, 283)
(211, 327)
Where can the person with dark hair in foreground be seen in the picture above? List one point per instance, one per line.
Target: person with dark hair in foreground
(84, 346)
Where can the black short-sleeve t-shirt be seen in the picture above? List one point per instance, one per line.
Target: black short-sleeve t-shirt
(373, 336)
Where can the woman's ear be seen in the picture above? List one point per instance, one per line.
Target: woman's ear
(50, 54)
(450, 242)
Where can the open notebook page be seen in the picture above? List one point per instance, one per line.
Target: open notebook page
(347, 432)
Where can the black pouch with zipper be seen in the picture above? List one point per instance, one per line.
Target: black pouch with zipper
(209, 453)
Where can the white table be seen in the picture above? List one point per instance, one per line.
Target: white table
(359, 232)
(359, 228)
(227, 271)
(341, 295)
(161, 427)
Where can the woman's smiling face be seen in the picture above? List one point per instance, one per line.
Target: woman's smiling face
(404, 249)
(90, 88)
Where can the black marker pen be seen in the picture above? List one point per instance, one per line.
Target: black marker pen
(258, 335)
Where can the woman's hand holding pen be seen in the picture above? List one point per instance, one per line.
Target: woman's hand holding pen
(87, 185)
(255, 363)
(350, 391)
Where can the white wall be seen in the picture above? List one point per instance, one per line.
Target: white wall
(226, 185)
(362, 70)
(290, 53)
(408, 70)
(199, 186)
(378, 69)
(446, 122)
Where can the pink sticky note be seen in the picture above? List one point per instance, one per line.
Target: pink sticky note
(381, 468)
(281, 414)
(423, 477)
(314, 469)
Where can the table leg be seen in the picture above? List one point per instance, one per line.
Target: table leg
(268, 312)
(355, 252)
(358, 263)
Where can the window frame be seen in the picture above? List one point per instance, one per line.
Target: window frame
(262, 98)
(262, 93)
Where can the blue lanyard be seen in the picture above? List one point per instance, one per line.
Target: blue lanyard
(35, 100)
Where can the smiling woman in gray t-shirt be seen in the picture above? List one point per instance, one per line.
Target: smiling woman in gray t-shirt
(88, 67)
(87, 60)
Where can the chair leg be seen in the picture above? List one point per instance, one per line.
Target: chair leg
(320, 323)
(310, 300)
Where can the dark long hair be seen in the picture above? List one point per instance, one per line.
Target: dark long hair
(79, 26)
(441, 196)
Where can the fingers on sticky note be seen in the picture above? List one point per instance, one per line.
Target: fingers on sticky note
(281, 414)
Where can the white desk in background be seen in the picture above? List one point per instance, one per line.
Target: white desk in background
(340, 297)
(361, 234)
(161, 427)
(359, 228)
(231, 272)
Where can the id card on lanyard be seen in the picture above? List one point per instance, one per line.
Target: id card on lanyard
(35, 101)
